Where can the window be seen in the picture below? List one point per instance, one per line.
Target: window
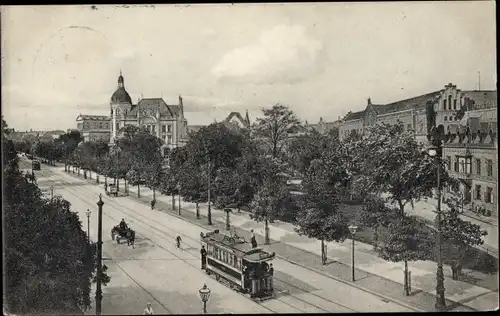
(451, 118)
(455, 104)
(153, 129)
(489, 195)
(164, 128)
(117, 127)
(444, 104)
(478, 192)
(456, 165)
(448, 162)
(409, 127)
(489, 167)
(169, 128)
(100, 125)
(169, 139)
(446, 118)
(449, 102)
(461, 161)
(478, 166)
(468, 165)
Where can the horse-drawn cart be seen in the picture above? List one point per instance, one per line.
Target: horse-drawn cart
(127, 234)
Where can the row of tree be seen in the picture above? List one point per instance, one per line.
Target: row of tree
(49, 261)
(239, 168)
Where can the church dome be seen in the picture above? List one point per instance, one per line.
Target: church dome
(121, 95)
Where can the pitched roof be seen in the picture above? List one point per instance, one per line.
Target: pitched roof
(239, 117)
(93, 117)
(154, 103)
(354, 115)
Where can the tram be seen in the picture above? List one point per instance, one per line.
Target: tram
(232, 260)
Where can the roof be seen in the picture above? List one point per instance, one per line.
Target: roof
(397, 106)
(194, 128)
(482, 98)
(93, 117)
(121, 95)
(154, 103)
(245, 122)
(408, 103)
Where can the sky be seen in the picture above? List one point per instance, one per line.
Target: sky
(319, 59)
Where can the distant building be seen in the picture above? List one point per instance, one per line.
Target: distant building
(165, 121)
(235, 119)
(324, 127)
(93, 127)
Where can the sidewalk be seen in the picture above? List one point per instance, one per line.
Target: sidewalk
(372, 273)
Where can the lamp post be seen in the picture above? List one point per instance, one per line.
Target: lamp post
(179, 193)
(228, 223)
(205, 295)
(353, 229)
(440, 300)
(51, 192)
(87, 212)
(98, 292)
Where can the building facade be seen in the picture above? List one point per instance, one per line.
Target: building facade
(468, 122)
(324, 127)
(470, 151)
(93, 127)
(165, 121)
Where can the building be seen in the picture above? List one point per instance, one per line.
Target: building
(165, 121)
(324, 127)
(442, 109)
(468, 122)
(471, 153)
(93, 127)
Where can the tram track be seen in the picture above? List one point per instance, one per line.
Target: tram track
(157, 232)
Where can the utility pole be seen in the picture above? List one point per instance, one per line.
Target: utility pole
(98, 292)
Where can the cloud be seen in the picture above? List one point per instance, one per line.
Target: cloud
(283, 54)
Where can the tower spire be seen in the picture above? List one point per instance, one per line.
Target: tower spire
(121, 83)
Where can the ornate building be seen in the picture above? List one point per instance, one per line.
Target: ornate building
(93, 127)
(165, 121)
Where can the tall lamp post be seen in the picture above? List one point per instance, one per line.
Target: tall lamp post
(353, 229)
(87, 212)
(440, 300)
(178, 187)
(205, 295)
(98, 292)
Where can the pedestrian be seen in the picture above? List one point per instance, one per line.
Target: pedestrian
(253, 241)
(271, 269)
(153, 203)
(178, 240)
(148, 310)
(203, 253)
(105, 187)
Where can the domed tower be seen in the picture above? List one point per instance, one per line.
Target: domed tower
(120, 104)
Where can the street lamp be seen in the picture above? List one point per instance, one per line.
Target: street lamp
(98, 292)
(178, 187)
(440, 300)
(353, 229)
(87, 212)
(205, 295)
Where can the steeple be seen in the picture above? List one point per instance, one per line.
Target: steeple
(247, 119)
(121, 82)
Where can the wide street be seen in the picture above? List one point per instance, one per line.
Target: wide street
(156, 271)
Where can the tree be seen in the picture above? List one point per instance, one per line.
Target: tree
(305, 149)
(322, 188)
(392, 162)
(267, 204)
(408, 240)
(375, 214)
(50, 261)
(459, 235)
(275, 127)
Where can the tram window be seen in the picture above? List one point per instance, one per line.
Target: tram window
(225, 257)
(216, 253)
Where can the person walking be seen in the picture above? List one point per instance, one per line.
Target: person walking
(203, 253)
(253, 241)
(178, 240)
(153, 203)
(148, 310)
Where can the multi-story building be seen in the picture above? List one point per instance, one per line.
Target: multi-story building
(93, 127)
(471, 153)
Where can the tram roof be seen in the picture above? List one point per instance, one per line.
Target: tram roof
(239, 244)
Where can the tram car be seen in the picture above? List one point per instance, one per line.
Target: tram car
(233, 261)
